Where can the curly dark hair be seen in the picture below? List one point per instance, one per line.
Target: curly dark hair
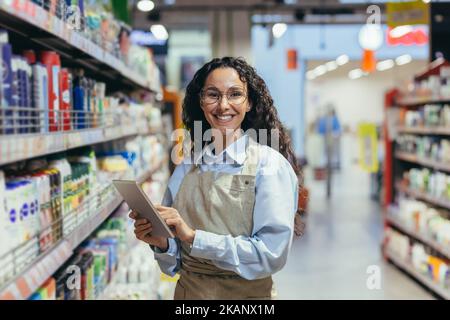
(262, 115)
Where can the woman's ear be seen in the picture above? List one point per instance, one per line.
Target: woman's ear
(249, 107)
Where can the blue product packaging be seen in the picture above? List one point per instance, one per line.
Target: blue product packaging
(6, 54)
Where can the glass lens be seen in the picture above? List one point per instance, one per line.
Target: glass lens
(236, 96)
(211, 96)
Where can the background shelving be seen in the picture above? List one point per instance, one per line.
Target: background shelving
(442, 292)
(31, 22)
(422, 161)
(131, 115)
(402, 231)
(31, 276)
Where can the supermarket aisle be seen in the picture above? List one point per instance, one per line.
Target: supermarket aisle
(342, 239)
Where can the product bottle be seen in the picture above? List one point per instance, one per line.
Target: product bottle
(65, 102)
(6, 83)
(52, 62)
(12, 230)
(79, 100)
(3, 246)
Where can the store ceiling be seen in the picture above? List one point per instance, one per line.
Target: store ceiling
(193, 13)
(397, 72)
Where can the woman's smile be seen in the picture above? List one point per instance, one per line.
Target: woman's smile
(224, 118)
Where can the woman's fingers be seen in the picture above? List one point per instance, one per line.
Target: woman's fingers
(162, 208)
(173, 221)
(142, 233)
(140, 222)
(143, 227)
(169, 214)
(132, 215)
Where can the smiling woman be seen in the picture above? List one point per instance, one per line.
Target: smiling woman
(232, 208)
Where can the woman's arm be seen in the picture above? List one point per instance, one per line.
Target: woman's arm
(170, 261)
(266, 251)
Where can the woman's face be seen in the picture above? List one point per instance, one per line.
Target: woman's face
(224, 100)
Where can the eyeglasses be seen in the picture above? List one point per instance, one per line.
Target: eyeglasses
(234, 96)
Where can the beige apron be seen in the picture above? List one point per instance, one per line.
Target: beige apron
(220, 203)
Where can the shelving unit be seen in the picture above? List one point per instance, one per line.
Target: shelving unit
(39, 270)
(426, 281)
(393, 221)
(36, 24)
(442, 131)
(422, 161)
(418, 101)
(443, 203)
(397, 162)
(31, 26)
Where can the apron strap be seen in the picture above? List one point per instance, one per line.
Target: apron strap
(251, 163)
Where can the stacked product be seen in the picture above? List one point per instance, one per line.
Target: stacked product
(429, 116)
(137, 277)
(39, 95)
(435, 184)
(427, 147)
(94, 20)
(111, 267)
(424, 220)
(435, 86)
(419, 256)
(43, 201)
(131, 157)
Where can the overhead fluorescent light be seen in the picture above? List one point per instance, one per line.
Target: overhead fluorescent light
(400, 31)
(145, 5)
(310, 75)
(159, 31)
(279, 29)
(320, 70)
(342, 59)
(331, 65)
(404, 59)
(355, 74)
(385, 65)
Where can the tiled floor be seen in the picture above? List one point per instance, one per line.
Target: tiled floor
(342, 240)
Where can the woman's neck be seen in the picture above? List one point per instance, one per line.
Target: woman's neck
(225, 140)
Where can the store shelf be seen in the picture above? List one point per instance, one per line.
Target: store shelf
(422, 161)
(37, 24)
(390, 219)
(45, 265)
(443, 203)
(424, 130)
(418, 101)
(426, 281)
(15, 148)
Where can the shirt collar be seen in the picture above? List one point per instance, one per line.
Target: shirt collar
(234, 153)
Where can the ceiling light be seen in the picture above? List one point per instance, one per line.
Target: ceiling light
(159, 31)
(355, 74)
(332, 65)
(400, 31)
(320, 70)
(279, 29)
(145, 5)
(310, 75)
(385, 65)
(342, 59)
(404, 59)
(370, 37)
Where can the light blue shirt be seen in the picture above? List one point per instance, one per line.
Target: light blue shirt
(265, 251)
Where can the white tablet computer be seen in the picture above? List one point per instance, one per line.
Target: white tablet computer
(138, 201)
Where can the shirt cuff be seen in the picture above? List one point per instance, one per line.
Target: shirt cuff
(205, 244)
(171, 250)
